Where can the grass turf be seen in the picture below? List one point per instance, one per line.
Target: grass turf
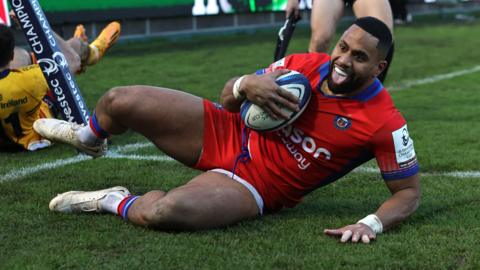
(443, 234)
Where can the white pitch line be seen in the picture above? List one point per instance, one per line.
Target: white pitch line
(22, 172)
(131, 147)
(139, 157)
(433, 79)
(115, 153)
(455, 174)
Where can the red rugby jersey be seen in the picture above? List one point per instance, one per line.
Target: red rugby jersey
(332, 137)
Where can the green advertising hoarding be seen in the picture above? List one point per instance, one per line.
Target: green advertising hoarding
(194, 7)
(76, 5)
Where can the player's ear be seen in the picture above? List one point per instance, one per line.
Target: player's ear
(380, 67)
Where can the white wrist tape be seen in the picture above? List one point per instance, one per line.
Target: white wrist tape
(236, 89)
(373, 222)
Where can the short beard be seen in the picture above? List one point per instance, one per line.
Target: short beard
(350, 86)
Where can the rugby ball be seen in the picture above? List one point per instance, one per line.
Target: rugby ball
(258, 119)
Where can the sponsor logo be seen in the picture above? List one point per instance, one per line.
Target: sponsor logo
(404, 150)
(39, 35)
(342, 123)
(298, 145)
(13, 103)
(50, 66)
(28, 28)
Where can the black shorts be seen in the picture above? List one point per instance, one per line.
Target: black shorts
(348, 2)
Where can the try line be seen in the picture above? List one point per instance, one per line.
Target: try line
(116, 153)
(433, 79)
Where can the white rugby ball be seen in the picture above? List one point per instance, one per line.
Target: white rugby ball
(258, 119)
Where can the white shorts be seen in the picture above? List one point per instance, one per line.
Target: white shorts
(252, 189)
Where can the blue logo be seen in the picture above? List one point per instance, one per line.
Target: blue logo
(342, 123)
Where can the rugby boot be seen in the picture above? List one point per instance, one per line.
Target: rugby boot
(105, 40)
(67, 132)
(83, 201)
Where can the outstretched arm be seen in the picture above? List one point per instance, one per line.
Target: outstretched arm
(261, 90)
(403, 202)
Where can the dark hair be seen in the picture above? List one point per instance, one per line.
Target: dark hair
(378, 29)
(7, 45)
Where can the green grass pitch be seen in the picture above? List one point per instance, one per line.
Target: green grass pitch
(443, 121)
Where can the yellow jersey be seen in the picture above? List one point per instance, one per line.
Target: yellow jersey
(21, 94)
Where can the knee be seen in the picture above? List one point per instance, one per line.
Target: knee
(119, 100)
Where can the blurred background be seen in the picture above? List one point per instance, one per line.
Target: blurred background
(146, 18)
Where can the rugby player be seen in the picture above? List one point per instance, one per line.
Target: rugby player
(326, 14)
(349, 120)
(24, 92)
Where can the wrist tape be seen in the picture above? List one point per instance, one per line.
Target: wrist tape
(236, 89)
(373, 222)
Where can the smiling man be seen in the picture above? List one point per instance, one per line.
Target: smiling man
(349, 120)
(354, 73)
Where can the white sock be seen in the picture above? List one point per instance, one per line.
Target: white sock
(111, 202)
(87, 136)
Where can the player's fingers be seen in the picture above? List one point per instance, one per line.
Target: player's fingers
(279, 72)
(355, 237)
(274, 107)
(365, 239)
(289, 96)
(346, 235)
(270, 113)
(333, 232)
(292, 106)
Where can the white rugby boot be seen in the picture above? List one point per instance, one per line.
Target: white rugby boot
(83, 201)
(66, 132)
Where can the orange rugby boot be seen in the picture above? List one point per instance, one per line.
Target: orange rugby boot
(105, 40)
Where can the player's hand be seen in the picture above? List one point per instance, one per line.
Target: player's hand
(293, 6)
(263, 91)
(354, 233)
